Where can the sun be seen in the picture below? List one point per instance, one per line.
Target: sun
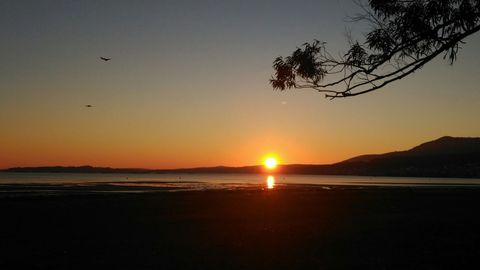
(270, 163)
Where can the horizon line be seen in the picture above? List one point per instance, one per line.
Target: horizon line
(158, 169)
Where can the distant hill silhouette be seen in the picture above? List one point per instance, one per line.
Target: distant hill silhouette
(444, 157)
(442, 146)
(90, 169)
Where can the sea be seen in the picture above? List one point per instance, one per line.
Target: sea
(216, 181)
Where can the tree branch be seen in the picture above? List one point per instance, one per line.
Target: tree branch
(406, 35)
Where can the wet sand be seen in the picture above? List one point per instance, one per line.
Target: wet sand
(291, 227)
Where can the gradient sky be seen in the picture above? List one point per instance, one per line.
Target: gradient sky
(188, 86)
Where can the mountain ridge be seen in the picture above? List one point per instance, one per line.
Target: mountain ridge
(444, 157)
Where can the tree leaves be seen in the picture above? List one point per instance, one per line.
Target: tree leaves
(406, 35)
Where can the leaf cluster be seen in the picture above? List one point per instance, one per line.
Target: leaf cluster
(404, 36)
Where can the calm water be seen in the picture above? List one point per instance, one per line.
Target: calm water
(212, 180)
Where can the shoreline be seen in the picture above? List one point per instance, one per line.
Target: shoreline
(189, 186)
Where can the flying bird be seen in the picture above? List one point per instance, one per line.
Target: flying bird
(105, 58)
(89, 106)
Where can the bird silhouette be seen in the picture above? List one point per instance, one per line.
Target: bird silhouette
(105, 58)
(88, 106)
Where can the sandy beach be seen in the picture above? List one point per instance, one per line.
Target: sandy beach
(297, 227)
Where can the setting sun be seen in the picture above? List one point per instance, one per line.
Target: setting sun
(270, 163)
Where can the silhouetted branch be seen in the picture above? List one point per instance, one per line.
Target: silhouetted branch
(405, 36)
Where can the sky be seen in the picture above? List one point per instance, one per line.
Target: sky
(187, 86)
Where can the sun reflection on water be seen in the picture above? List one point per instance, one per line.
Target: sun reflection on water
(270, 182)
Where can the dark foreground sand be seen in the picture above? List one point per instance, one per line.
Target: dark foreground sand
(289, 228)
